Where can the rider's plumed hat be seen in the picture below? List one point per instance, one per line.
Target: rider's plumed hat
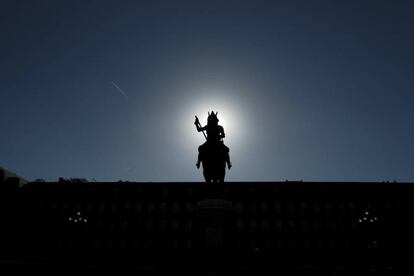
(212, 116)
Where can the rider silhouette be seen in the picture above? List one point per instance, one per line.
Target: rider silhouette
(215, 135)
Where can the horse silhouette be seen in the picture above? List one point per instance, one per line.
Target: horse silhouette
(213, 159)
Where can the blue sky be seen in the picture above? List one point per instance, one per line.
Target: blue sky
(311, 90)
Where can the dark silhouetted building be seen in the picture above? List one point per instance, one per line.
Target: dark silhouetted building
(199, 229)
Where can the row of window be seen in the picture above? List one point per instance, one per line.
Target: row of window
(186, 226)
(185, 243)
(189, 207)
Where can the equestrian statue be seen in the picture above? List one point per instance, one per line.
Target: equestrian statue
(213, 154)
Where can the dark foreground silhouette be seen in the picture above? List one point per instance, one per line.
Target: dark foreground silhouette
(213, 154)
(248, 228)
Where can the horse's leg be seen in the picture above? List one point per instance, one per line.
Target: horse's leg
(221, 178)
(223, 170)
(207, 175)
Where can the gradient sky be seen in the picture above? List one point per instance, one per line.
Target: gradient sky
(306, 90)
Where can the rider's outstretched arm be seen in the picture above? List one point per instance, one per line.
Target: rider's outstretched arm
(198, 125)
(200, 128)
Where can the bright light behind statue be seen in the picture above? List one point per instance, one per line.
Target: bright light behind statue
(234, 116)
(227, 115)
